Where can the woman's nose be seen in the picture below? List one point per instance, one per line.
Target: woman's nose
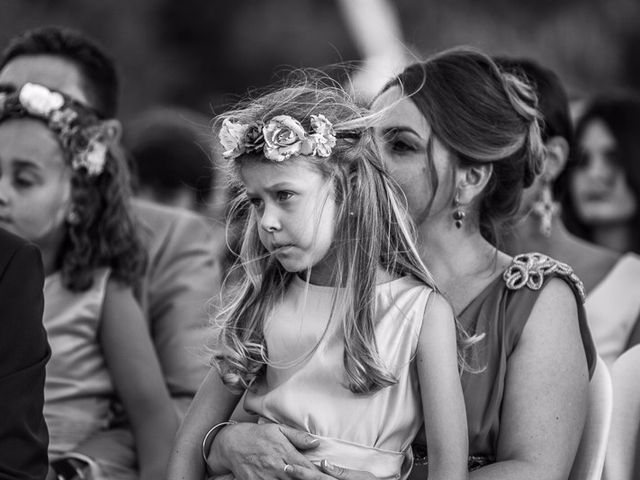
(600, 168)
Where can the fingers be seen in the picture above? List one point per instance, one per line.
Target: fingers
(302, 473)
(300, 440)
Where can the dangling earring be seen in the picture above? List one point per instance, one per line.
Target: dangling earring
(544, 207)
(73, 217)
(458, 214)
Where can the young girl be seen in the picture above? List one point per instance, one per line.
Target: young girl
(335, 328)
(61, 188)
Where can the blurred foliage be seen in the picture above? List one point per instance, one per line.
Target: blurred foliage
(203, 54)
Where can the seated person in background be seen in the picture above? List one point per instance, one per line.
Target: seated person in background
(612, 308)
(603, 205)
(24, 352)
(68, 193)
(171, 154)
(182, 272)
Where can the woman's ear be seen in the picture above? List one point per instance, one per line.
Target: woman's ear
(470, 181)
(555, 158)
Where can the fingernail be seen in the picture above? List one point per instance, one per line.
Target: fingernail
(312, 440)
(326, 465)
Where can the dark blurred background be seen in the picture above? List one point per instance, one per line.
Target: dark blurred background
(203, 54)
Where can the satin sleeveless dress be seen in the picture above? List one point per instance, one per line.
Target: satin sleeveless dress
(304, 385)
(78, 388)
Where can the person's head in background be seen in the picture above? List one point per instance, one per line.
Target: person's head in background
(605, 185)
(171, 152)
(66, 60)
(540, 201)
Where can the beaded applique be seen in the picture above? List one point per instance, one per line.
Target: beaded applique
(530, 269)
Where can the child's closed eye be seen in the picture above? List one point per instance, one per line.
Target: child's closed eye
(24, 181)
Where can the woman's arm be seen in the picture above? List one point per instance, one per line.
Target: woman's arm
(546, 394)
(445, 417)
(136, 373)
(212, 404)
(623, 445)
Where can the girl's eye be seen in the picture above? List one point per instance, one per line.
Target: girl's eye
(24, 182)
(283, 196)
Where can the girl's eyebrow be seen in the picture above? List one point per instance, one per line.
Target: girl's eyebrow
(280, 185)
(25, 163)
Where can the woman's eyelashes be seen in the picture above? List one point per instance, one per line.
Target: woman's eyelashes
(399, 142)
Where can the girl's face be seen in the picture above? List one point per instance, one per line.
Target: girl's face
(35, 181)
(598, 187)
(403, 134)
(295, 212)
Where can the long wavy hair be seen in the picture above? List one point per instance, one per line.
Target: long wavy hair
(102, 232)
(620, 113)
(372, 231)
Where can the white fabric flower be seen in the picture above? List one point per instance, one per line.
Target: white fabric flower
(232, 136)
(39, 100)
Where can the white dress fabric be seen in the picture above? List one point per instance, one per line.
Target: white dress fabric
(304, 385)
(613, 307)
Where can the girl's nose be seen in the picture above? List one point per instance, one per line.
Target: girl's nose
(4, 196)
(269, 221)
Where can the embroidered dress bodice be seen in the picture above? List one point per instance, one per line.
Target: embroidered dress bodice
(304, 385)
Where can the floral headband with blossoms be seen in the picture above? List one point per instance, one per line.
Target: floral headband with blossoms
(78, 129)
(279, 138)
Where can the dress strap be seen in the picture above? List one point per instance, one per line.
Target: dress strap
(531, 269)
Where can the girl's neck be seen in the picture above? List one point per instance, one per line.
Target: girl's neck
(50, 251)
(616, 237)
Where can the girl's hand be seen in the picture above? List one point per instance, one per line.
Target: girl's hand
(327, 472)
(253, 451)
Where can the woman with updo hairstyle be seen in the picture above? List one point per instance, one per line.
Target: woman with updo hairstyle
(462, 140)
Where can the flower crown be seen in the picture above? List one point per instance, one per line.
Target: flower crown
(279, 138)
(78, 129)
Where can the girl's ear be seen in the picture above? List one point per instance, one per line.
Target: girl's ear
(111, 131)
(470, 181)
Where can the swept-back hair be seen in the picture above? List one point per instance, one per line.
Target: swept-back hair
(372, 231)
(481, 115)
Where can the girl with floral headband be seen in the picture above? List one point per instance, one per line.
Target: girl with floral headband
(336, 327)
(62, 188)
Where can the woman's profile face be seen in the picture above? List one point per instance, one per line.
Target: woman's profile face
(598, 186)
(403, 135)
